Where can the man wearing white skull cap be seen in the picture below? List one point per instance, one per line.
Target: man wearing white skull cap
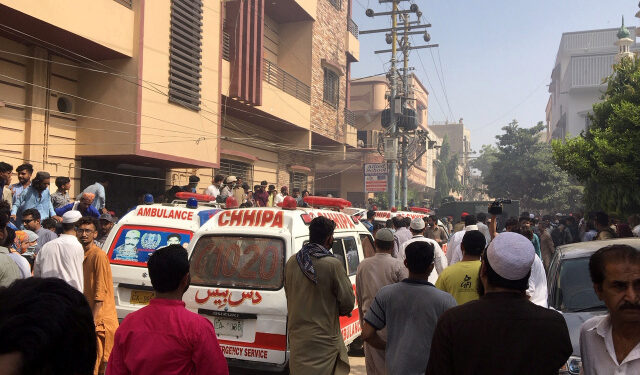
(502, 332)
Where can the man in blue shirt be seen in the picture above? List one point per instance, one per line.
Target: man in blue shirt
(97, 189)
(368, 222)
(35, 196)
(83, 206)
(24, 172)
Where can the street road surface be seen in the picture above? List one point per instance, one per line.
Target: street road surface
(356, 362)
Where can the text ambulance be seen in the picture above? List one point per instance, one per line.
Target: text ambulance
(136, 236)
(237, 277)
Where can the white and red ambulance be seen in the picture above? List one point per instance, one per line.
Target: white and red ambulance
(140, 232)
(237, 277)
(383, 216)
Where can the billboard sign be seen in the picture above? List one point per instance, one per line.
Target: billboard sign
(375, 178)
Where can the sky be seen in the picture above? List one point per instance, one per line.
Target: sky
(495, 57)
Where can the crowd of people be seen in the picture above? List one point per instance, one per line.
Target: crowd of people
(221, 188)
(479, 308)
(36, 215)
(69, 281)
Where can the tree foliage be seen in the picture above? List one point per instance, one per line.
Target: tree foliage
(605, 157)
(447, 170)
(523, 169)
(488, 156)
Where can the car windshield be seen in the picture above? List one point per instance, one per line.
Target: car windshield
(238, 262)
(574, 288)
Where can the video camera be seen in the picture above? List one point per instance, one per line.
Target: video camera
(495, 208)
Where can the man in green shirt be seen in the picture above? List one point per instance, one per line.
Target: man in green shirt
(461, 279)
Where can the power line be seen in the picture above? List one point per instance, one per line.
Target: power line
(156, 90)
(442, 84)
(430, 85)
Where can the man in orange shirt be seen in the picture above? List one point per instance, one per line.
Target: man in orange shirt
(98, 289)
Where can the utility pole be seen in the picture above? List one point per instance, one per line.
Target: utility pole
(391, 172)
(404, 179)
(397, 104)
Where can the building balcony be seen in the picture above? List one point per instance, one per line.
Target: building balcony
(284, 97)
(352, 42)
(276, 76)
(98, 29)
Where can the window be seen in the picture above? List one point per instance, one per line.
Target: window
(353, 259)
(133, 244)
(236, 168)
(336, 4)
(331, 88)
(238, 262)
(338, 251)
(127, 3)
(346, 250)
(574, 287)
(420, 114)
(297, 180)
(185, 53)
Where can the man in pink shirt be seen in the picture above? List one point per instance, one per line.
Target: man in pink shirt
(164, 337)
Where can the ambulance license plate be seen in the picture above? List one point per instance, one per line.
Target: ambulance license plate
(140, 297)
(228, 327)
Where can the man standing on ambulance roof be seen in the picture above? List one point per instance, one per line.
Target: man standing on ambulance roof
(318, 292)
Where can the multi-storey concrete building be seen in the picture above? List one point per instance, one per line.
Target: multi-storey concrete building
(584, 60)
(345, 176)
(459, 139)
(125, 88)
(285, 82)
(150, 92)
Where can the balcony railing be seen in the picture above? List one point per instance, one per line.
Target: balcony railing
(277, 77)
(336, 4)
(226, 46)
(352, 27)
(349, 117)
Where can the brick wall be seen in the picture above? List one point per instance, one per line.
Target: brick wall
(286, 160)
(329, 38)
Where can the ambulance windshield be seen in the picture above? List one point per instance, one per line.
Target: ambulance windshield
(238, 262)
(133, 244)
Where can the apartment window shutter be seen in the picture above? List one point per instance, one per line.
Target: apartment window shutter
(185, 53)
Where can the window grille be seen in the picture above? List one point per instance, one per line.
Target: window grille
(297, 180)
(236, 168)
(331, 88)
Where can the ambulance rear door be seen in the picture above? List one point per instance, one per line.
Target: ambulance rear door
(134, 239)
(237, 282)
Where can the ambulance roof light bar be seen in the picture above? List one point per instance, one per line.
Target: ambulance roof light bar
(199, 197)
(420, 210)
(316, 201)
